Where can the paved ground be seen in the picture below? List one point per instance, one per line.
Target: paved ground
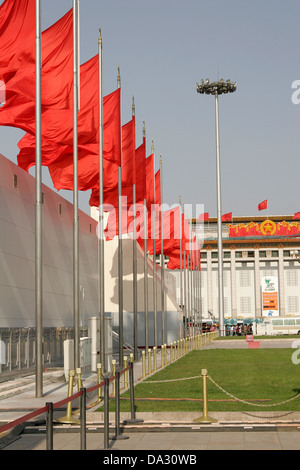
(164, 434)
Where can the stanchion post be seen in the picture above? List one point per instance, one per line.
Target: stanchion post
(132, 406)
(149, 361)
(117, 435)
(68, 418)
(106, 413)
(143, 364)
(114, 368)
(49, 427)
(205, 418)
(83, 420)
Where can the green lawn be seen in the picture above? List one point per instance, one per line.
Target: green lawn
(268, 375)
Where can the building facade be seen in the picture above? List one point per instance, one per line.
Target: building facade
(261, 272)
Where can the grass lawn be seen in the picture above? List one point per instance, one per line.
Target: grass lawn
(266, 375)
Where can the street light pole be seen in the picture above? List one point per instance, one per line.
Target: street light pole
(216, 89)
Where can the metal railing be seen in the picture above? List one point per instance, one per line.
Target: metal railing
(19, 347)
(82, 395)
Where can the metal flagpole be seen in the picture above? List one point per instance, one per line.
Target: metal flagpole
(146, 267)
(101, 214)
(162, 259)
(76, 290)
(154, 266)
(185, 296)
(180, 243)
(120, 252)
(146, 280)
(135, 323)
(38, 208)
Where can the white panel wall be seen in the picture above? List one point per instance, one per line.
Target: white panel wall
(17, 254)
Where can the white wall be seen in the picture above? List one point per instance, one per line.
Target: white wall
(17, 254)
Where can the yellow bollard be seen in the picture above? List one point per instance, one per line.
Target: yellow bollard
(149, 361)
(114, 368)
(143, 364)
(68, 418)
(125, 373)
(166, 354)
(171, 352)
(99, 375)
(79, 387)
(205, 418)
(162, 355)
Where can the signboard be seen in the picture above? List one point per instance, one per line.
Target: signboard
(270, 304)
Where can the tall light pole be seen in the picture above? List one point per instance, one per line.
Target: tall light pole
(218, 88)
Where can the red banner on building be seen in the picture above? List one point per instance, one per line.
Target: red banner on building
(266, 228)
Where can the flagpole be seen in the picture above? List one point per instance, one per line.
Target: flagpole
(75, 190)
(135, 323)
(180, 244)
(101, 214)
(38, 208)
(120, 251)
(185, 295)
(146, 267)
(162, 261)
(154, 267)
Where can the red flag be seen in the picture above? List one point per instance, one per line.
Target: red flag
(17, 31)
(203, 217)
(140, 168)
(128, 160)
(128, 179)
(296, 215)
(57, 62)
(157, 188)
(227, 217)
(150, 185)
(263, 205)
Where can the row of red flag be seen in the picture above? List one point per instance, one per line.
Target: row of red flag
(17, 84)
(228, 217)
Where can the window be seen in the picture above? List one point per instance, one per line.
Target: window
(286, 253)
(59, 209)
(15, 181)
(293, 304)
(238, 254)
(203, 255)
(250, 254)
(245, 305)
(214, 254)
(245, 280)
(227, 254)
(292, 277)
(262, 254)
(290, 321)
(274, 253)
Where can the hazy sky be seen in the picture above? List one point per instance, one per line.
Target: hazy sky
(163, 47)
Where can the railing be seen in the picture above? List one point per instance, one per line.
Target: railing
(19, 347)
(81, 395)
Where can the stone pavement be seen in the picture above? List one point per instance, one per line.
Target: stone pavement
(159, 432)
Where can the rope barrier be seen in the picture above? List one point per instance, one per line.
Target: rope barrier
(223, 390)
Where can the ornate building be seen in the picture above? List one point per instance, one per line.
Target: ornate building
(254, 248)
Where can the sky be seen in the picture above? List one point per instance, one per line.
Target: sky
(163, 48)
